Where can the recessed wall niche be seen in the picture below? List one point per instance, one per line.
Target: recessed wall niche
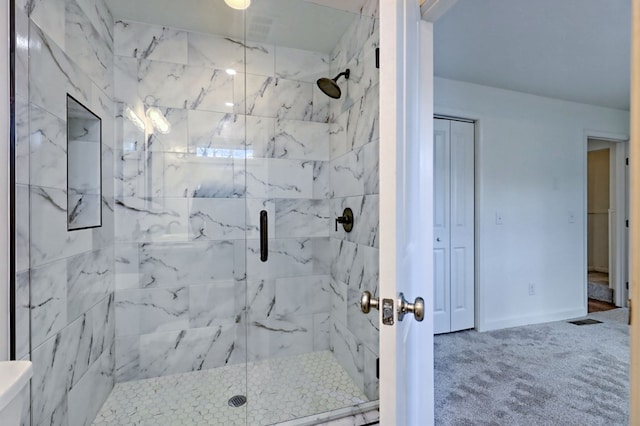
(84, 167)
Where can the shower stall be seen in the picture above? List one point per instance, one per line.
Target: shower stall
(219, 286)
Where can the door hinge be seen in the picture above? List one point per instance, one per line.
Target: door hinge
(377, 57)
(627, 223)
(627, 285)
(627, 161)
(378, 368)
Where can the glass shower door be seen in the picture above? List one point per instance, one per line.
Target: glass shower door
(310, 350)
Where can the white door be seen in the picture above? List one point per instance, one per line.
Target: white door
(441, 228)
(406, 209)
(453, 223)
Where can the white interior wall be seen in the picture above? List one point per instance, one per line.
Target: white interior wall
(531, 170)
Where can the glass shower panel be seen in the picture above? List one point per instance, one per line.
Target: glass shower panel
(180, 212)
(310, 350)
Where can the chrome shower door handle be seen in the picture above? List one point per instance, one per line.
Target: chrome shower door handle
(416, 308)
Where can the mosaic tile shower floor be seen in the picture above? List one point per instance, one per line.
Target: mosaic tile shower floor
(278, 390)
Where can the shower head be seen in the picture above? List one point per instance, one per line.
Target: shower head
(330, 86)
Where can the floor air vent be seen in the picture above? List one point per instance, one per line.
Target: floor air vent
(237, 401)
(587, 321)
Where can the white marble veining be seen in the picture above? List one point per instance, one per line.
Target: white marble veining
(125, 79)
(287, 258)
(214, 303)
(145, 221)
(21, 237)
(165, 84)
(302, 295)
(65, 358)
(89, 280)
(302, 218)
(227, 53)
(338, 301)
(150, 310)
(50, 17)
(186, 350)
(198, 262)
(176, 139)
(86, 398)
(371, 153)
(301, 140)
(301, 65)
(142, 41)
(216, 218)
(100, 17)
(349, 352)
(196, 176)
(363, 122)
(275, 338)
(50, 240)
(322, 111)
(347, 174)
(48, 149)
(23, 314)
(321, 180)
(90, 52)
(279, 178)
(57, 76)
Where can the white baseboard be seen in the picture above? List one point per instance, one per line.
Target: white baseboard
(499, 324)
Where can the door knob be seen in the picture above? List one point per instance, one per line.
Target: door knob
(404, 307)
(367, 301)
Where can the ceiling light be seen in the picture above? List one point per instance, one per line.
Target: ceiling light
(229, 104)
(158, 120)
(231, 71)
(238, 4)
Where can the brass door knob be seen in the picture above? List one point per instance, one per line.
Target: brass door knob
(367, 301)
(416, 308)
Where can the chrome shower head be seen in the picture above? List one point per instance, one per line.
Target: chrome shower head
(330, 86)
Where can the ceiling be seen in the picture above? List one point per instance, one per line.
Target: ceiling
(576, 50)
(315, 25)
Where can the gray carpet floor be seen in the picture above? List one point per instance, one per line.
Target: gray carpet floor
(548, 374)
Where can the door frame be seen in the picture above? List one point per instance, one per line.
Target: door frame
(619, 283)
(634, 214)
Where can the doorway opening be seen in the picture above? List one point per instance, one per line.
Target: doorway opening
(607, 213)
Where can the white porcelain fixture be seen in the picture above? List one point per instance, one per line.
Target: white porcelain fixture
(14, 377)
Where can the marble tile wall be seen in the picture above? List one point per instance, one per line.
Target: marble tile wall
(353, 170)
(64, 280)
(191, 292)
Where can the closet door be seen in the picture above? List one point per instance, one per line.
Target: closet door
(453, 246)
(462, 220)
(441, 228)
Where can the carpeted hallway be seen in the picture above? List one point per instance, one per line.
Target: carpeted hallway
(548, 374)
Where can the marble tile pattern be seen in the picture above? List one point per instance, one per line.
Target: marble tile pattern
(247, 133)
(277, 390)
(65, 279)
(353, 150)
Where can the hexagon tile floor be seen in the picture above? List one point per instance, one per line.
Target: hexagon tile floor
(278, 390)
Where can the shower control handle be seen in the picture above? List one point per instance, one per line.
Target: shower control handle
(346, 220)
(367, 301)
